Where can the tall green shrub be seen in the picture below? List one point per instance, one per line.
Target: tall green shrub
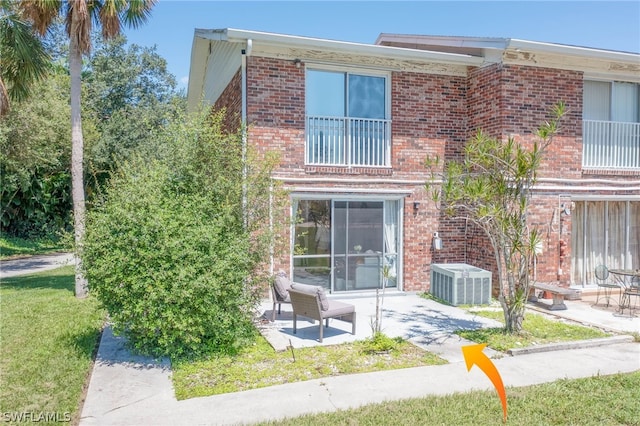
(35, 197)
(170, 251)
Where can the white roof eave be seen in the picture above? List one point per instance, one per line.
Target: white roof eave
(561, 49)
(281, 40)
(487, 44)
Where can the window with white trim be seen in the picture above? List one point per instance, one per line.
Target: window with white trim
(347, 119)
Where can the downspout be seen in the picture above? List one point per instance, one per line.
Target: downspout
(245, 54)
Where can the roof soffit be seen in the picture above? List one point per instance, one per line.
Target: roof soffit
(622, 69)
(615, 64)
(316, 56)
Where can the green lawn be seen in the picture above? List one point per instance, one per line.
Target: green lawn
(47, 339)
(259, 366)
(537, 329)
(11, 247)
(604, 400)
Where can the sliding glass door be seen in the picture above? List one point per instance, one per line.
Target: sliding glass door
(346, 245)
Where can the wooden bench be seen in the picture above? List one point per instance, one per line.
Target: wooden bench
(557, 292)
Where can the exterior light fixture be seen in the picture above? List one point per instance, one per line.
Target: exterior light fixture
(437, 241)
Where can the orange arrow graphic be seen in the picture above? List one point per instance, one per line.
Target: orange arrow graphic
(473, 355)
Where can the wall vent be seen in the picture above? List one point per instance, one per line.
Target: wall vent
(460, 284)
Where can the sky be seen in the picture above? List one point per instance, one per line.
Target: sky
(613, 25)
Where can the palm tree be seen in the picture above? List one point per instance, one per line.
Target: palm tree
(23, 58)
(79, 16)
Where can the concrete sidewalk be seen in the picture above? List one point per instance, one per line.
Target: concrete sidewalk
(34, 264)
(126, 389)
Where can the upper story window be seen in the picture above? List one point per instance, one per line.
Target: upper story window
(347, 119)
(611, 125)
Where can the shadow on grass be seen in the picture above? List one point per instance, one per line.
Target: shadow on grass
(482, 335)
(59, 279)
(85, 342)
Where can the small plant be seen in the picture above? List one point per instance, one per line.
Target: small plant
(376, 325)
(380, 343)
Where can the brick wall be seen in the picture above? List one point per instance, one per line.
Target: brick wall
(512, 101)
(231, 101)
(485, 100)
(276, 110)
(431, 115)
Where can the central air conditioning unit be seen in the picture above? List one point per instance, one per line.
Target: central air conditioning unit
(460, 284)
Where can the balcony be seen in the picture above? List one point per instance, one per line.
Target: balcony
(345, 141)
(611, 145)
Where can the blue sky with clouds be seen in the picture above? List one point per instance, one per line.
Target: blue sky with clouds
(600, 24)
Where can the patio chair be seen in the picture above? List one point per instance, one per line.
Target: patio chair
(604, 285)
(280, 292)
(311, 302)
(632, 290)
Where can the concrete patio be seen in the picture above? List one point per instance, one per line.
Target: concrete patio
(426, 323)
(585, 311)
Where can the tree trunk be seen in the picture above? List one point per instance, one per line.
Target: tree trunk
(77, 169)
(513, 317)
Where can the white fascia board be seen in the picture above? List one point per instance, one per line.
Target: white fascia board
(281, 40)
(444, 41)
(501, 44)
(197, 72)
(585, 52)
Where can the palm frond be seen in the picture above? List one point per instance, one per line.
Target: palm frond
(138, 12)
(23, 57)
(41, 13)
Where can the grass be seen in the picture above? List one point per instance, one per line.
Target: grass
(47, 339)
(260, 366)
(11, 247)
(537, 329)
(604, 400)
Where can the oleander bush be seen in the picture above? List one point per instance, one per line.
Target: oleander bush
(173, 248)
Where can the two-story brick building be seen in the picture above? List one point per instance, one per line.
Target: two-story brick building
(355, 122)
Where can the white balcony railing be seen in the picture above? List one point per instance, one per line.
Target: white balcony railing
(344, 141)
(610, 145)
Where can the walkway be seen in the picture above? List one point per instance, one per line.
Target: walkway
(34, 264)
